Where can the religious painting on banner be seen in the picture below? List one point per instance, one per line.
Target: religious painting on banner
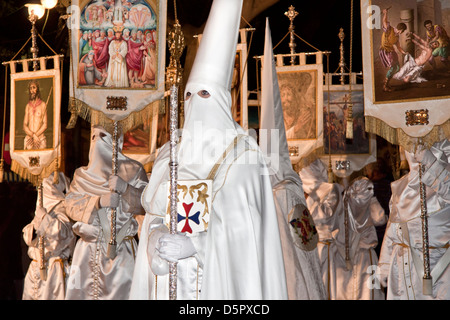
(302, 102)
(35, 121)
(407, 69)
(346, 155)
(118, 49)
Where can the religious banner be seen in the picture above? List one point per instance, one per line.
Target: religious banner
(346, 155)
(118, 60)
(35, 131)
(406, 68)
(302, 101)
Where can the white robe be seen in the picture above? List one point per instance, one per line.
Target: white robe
(239, 256)
(301, 260)
(59, 242)
(397, 265)
(117, 67)
(364, 213)
(93, 274)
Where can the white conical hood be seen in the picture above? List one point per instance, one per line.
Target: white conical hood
(215, 56)
(209, 126)
(273, 140)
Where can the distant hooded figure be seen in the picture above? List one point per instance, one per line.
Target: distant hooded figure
(401, 257)
(297, 230)
(325, 202)
(93, 192)
(51, 222)
(364, 213)
(229, 246)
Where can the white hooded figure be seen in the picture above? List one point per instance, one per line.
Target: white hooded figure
(93, 192)
(325, 203)
(52, 223)
(298, 234)
(359, 280)
(237, 254)
(401, 257)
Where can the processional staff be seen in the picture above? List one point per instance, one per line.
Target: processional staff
(174, 79)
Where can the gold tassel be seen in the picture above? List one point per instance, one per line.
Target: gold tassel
(330, 172)
(349, 131)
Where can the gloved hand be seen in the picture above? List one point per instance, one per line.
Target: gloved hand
(174, 247)
(424, 155)
(39, 214)
(117, 184)
(109, 200)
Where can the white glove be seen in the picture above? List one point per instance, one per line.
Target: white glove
(174, 247)
(39, 214)
(424, 155)
(117, 184)
(109, 200)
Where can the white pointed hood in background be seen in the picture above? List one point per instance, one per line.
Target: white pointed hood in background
(273, 142)
(209, 126)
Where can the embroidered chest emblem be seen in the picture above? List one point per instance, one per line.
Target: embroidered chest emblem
(193, 209)
(303, 230)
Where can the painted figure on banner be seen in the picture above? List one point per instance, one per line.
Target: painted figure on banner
(436, 32)
(134, 58)
(388, 49)
(101, 52)
(412, 68)
(105, 28)
(336, 119)
(149, 59)
(298, 96)
(35, 119)
(49, 221)
(117, 68)
(410, 51)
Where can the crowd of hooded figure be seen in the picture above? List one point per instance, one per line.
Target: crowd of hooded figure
(246, 229)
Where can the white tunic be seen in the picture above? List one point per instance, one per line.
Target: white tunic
(401, 258)
(239, 256)
(93, 274)
(59, 242)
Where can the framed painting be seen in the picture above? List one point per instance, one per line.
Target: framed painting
(35, 128)
(34, 104)
(346, 155)
(299, 97)
(118, 44)
(302, 102)
(406, 69)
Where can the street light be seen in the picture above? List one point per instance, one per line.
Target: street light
(35, 11)
(49, 4)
